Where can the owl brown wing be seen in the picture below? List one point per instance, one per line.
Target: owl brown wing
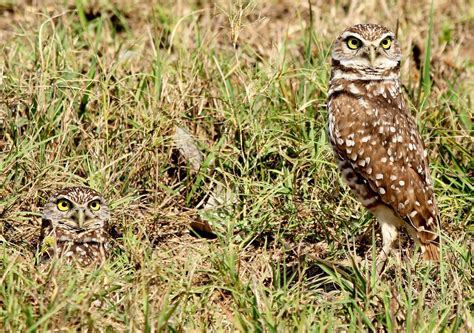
(46, 228)
(44, 249)
(385, 148)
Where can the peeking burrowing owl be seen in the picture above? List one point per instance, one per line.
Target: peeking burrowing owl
(75, 226)
(375, 139)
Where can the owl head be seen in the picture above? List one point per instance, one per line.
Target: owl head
(366, 50)
(76, 209)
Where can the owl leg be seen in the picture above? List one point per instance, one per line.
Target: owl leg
(389, 223)
(412, 232)
(389, 234)
(429, 251)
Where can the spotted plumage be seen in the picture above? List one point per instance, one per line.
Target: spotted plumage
(75, 227)
(375, 139)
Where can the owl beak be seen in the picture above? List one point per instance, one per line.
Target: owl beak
(80, 217)
(372, 55)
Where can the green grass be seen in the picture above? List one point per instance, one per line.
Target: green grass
(91, 95)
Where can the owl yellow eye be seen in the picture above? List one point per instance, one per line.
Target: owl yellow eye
(353, 43)
(64, 205)
(386, 43)
(94, 205)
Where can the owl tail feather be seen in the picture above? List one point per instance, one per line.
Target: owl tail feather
(430, 251)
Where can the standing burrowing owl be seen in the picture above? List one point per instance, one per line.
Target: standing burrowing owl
(375, 139)
(75, 226)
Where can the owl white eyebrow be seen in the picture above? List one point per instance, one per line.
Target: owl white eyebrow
(62, 197)
(388, 34)
(347, 34)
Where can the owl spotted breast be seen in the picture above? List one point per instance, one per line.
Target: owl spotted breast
(376, 143)
(75, 227)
